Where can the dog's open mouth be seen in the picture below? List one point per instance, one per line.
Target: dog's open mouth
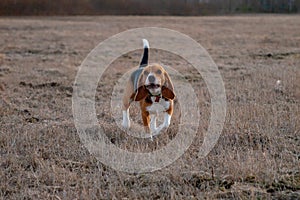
(152, 86)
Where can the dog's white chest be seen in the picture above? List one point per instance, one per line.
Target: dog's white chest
(160, 106)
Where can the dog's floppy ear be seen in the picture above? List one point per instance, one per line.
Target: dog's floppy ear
(141, 91)
(140, 94)
(168, 88)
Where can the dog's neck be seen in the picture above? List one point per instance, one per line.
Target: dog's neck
(157, 98)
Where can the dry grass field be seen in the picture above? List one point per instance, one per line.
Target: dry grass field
(256, 157)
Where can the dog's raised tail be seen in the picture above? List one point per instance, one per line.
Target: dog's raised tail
(146, 47)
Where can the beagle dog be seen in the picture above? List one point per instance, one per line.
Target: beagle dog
(151, 85)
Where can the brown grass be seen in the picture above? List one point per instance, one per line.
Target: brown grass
(257, 155)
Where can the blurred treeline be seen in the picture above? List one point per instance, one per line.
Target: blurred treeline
(145, 7)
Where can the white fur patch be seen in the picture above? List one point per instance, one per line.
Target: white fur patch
(157, 107)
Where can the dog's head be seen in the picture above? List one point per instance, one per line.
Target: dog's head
(154, 80)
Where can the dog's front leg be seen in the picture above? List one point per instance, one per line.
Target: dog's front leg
(153, 129)
(126, 119)
(153, 123)
(166, 123)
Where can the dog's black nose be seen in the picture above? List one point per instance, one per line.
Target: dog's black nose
(151, 79)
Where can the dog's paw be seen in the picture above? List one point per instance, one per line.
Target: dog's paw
(162, 128)
(158, 130)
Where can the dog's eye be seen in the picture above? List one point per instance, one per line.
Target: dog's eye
(146, 73)
(158, 71)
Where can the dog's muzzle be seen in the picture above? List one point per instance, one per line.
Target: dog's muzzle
(152, 86)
